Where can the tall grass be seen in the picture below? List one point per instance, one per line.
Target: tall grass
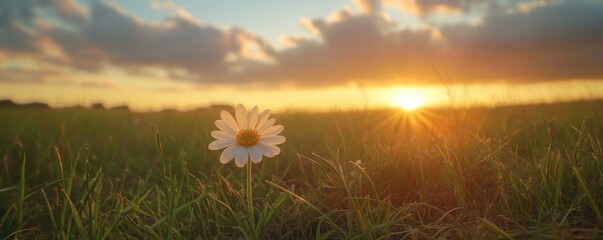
(514, 172)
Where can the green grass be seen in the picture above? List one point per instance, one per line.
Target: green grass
(515, 172)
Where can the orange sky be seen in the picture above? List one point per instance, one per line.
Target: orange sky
(342, 54)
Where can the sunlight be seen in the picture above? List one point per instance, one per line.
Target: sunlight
(408, 103)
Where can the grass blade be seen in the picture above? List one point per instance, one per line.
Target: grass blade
(591, 199)
(76, 217)
(21, 195)
(493, 227)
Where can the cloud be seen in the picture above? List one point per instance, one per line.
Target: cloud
(28, 75)
(106, 85)
(69, 10)
(561, 41)
(15, 35)
(180, 43)
(426, 7)
(530, 42)
(368, 6)
(552, 42)
(15, 75)
(167, 5)
(351, 48)
(20, 30)
(106, 35)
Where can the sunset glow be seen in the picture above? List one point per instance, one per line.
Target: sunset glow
(409, 103)
(156, 54)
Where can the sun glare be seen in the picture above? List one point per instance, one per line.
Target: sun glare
(408, 103)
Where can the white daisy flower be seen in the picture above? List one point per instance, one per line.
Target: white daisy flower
(251, 135)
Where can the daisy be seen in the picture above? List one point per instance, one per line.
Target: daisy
(250, 136)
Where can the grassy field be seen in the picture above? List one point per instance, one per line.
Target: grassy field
(515, 172)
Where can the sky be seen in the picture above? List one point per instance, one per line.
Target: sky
(300, 54)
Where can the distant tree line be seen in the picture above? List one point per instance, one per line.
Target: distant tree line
(7, 103)
(10, 104)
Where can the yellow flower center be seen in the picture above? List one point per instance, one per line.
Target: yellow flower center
(248, 137)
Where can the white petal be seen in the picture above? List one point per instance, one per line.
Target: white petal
(266, 125)
(272, 131)
(273, 140)
(263, 118)
(229, 120)
(265, 149)
(252, 118)
(225, 128)
(222, 135)
(220, 143)
(255, 154)
(228, 154)
(241, 116)
(275, 150)
(241, 157)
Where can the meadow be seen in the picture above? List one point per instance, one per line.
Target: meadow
(519, 172)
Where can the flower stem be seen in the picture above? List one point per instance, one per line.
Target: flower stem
(249, 196)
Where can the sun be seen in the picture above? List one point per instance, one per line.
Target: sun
(408, 103)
